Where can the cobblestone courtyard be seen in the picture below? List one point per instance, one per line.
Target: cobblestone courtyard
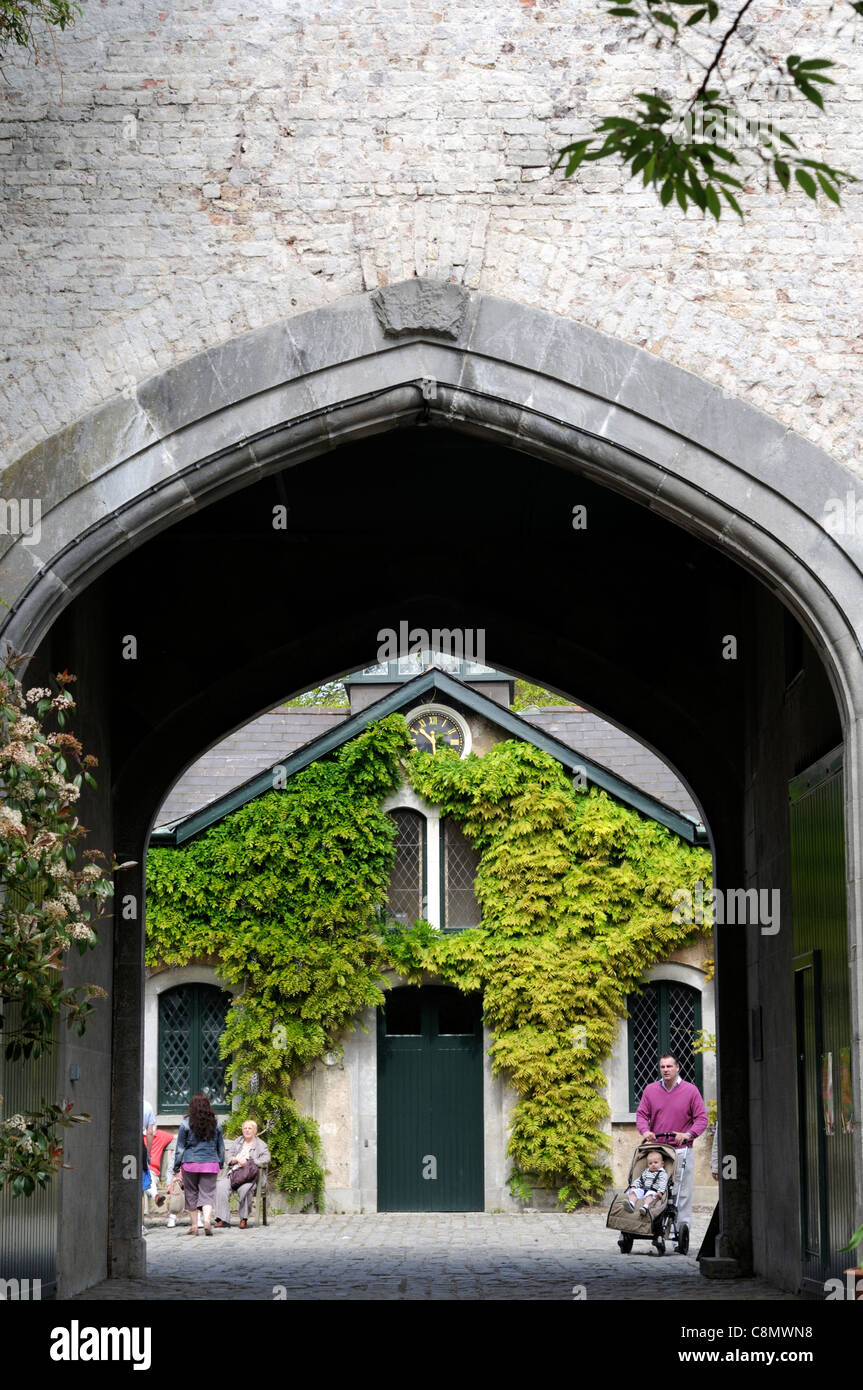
(542, 1255)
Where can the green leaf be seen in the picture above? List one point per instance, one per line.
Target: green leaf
(783, 173)
(732, 202)
(829, 189)
(713, 201)
(667, 193)
(807, 183)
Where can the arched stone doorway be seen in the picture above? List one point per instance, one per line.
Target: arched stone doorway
(704, 520)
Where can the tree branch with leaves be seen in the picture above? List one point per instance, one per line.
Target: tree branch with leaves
(702, 150)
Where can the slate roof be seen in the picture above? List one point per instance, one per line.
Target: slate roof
(605, 744)
(238, 757)
(243, 759)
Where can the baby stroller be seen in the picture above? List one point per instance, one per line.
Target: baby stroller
(658, 1222)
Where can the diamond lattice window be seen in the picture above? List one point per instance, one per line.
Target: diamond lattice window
(460, 863)
(665, 1016)
(405, 897)
(191, 1022)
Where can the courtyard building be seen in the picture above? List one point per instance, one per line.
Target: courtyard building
(414, 1080)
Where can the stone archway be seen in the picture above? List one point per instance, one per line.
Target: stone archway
(423, 352)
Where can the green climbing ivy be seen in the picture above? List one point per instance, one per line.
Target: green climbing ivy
(285, 893)
(575, 892)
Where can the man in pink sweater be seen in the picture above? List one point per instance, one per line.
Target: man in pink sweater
(673, 1106)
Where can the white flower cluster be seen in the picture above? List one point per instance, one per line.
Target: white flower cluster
(54, 910)
(81, 932)
(68, 900)
(38, 693)
(10, 822)
(18, 752)
(25, 727)
(16, 1122)
(91, 873)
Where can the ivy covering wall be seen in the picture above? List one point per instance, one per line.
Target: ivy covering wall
(286, 893)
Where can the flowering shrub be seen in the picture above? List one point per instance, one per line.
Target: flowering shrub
(46, 905)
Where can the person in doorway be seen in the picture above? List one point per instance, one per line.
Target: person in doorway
(238, 1152)
(651, 1184)
(199, 1157)
(672, 1106)
(149, 1128)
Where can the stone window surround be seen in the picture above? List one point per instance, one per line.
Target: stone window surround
(617, 1069)
(154, 986)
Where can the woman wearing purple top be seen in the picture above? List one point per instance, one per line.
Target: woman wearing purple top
(200, 1154)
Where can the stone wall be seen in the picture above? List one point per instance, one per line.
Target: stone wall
(179, 175)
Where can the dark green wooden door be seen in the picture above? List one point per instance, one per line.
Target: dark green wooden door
(430, 1151)
(824, 1030)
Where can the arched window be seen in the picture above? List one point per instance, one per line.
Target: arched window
(191, 1022)
(664, 1017)
(406, 897)
(459, 863)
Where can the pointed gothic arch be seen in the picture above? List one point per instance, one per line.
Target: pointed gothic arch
(438, 355)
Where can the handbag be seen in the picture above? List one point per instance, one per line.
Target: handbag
(244, 1172)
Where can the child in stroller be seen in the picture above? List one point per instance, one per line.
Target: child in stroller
(655, 1221)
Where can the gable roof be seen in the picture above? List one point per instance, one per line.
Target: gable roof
(430, 684)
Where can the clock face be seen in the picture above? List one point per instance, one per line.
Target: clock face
(434, 729)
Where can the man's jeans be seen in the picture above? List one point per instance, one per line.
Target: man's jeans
(685, 1185)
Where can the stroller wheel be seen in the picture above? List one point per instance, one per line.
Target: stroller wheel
(625, 1244)
(683, 1240)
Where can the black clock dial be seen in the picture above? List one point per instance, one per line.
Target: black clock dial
(435, 730)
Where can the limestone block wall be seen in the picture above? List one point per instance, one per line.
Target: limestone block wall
(182, 174)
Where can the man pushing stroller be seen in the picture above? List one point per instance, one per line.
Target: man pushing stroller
(675, 1108)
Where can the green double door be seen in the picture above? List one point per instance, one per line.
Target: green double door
(430, 1134)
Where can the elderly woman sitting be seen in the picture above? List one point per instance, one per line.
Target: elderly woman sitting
(237, 1152)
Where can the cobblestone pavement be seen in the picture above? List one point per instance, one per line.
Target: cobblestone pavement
(538, 1256)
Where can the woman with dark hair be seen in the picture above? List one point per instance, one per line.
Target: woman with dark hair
(200, 1154)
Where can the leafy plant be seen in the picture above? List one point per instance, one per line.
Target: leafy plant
(285, 893)
(856, 1239)
(526, 695)
(19, 18)
(47, 905)
(686, 149)
(332, 695)
(576, 897)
